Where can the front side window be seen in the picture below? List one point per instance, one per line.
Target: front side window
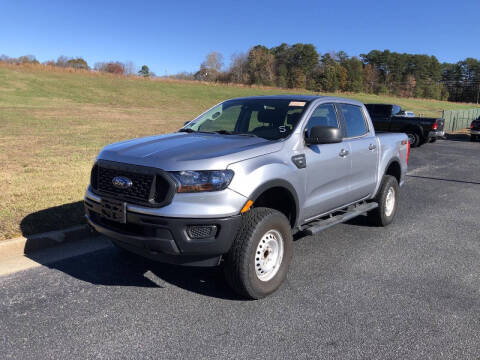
(323, 115)
(271, 119)
(354, 121)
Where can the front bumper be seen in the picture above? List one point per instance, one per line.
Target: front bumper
(436, 134)
(167, 239)
(474, 132)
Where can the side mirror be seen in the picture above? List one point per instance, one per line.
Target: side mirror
(186, 122)
(324, 135)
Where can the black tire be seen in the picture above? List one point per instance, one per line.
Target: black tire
(432, 140)
(473, 137)
(240, 263)
(414, 138)
(381, 216)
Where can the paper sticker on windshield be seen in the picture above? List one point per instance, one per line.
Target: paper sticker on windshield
(297, 103)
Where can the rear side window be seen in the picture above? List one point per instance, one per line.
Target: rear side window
(378, 110)
(323, 115)
(396, 110)
(354, 121)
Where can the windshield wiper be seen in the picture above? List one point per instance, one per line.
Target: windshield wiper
(221, 132)
(187, 130)
(247, 134)
(224, 132)
(227, 132)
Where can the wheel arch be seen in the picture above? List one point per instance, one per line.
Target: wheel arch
(394, 168)
(280, 195)
(416, 128)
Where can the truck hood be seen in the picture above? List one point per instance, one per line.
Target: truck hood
(188, 151)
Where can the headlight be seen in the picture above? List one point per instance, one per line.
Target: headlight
(196, 181)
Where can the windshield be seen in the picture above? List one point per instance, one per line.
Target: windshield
(270, 119)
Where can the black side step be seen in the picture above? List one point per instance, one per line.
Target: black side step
(344, 215)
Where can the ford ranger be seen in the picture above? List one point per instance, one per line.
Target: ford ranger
(231, 187)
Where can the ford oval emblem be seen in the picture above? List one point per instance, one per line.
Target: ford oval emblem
(121, 182)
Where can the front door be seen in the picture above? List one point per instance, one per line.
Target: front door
(328, 167)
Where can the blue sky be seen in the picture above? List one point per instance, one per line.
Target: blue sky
(173, 36)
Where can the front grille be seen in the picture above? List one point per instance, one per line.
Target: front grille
(141, 183)
(149, 186)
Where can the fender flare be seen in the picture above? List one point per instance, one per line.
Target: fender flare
(275, 183)
(382, 172)
(394, 159)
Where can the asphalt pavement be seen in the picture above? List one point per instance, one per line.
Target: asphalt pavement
(408, 291)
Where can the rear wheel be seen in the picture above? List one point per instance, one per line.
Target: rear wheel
(432, 140)
(258, 261)
(387, 199)
(413, 138)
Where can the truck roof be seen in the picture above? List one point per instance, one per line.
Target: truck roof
(300, 98)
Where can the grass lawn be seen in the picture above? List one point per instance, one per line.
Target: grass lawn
(53, 123)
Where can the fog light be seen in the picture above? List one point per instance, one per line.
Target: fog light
(201, 231)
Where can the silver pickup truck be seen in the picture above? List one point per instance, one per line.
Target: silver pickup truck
(231, 187)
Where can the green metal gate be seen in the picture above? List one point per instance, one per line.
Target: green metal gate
(459, 119)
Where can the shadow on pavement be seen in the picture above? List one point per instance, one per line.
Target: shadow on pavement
(458, 137)
(361, 220)
(109, 266)
(113, 267)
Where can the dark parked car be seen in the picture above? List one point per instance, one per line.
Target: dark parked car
(475, 130)
(391, 118)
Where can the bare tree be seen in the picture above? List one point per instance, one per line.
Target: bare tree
(239, 68)
(62, 61)
(213, 61)
(130, 68)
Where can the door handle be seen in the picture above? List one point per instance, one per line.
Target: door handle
(372, 147)
(344, 153)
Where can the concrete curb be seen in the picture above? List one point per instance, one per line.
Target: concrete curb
(25, 245)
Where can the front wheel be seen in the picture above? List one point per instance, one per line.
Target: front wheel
(387, 199)
(258, 261)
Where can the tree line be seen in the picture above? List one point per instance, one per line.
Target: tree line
(112, 67)
(377, 72)
(301, 66)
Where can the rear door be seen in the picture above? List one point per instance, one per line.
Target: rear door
(328, 167)
(363, 153)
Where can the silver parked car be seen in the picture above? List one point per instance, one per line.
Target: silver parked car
(232, 186)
